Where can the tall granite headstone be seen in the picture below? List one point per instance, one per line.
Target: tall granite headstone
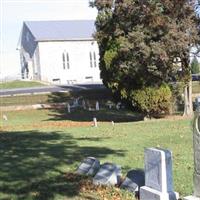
(158, 176)
(108, 174)
(196, 146)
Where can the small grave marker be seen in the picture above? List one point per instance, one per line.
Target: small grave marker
(118, 105)
(89, 166)
(68, 108)
(108, 174)
(83, 104)
(158, 176)
(5, 117)
(75, 103)
(97, 106)
(95, 122)
(133, 181)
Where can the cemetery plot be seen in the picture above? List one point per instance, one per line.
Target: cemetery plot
(108, 174)
(89, 166)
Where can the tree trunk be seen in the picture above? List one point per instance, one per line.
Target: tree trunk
(188, 105)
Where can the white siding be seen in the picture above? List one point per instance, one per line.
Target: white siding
(51, 61)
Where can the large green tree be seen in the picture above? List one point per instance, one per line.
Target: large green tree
(145, 43)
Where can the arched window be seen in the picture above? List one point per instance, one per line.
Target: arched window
(95, 61)
(65, 60)
(68, 65)
(91, 65)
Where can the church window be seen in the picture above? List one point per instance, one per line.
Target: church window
(65, 59)
(95, 61)
(91, 64)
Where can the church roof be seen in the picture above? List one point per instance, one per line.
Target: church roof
(61, 30)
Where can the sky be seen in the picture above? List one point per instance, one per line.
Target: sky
(14, 12)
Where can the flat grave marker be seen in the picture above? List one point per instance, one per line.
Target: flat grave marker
(108, 174)
(134, 180)
(89, 166)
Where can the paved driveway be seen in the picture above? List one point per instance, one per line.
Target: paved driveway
(49, 89)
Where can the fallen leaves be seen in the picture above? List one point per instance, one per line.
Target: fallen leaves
(86, 186)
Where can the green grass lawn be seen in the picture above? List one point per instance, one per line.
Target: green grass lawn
(19, 84)
(196, 87)
(39, 151)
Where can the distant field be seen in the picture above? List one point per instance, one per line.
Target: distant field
(19, 84)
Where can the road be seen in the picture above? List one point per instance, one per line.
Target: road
(48, 89)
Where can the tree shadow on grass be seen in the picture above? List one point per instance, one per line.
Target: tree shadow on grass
(104, 115)
(33, 165)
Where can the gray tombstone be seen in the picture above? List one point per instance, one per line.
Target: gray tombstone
(133, 181)
(197, 101)
(196, 146)
(108, 174)
(158, 176)
(89, 166)
(83, 104)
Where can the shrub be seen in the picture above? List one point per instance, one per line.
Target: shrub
(195, 66)
(152, 100)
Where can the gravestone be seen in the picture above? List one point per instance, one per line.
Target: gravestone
(97, 106)
(83, 104)
(118, 105)
(95, 122)
(68, 108)
(158, 176)
(89, 166)
(5, 117)
(108, 174)
(75, 102)
(196, 146)
(133, 181)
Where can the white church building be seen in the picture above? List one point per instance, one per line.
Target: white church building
(59, 52)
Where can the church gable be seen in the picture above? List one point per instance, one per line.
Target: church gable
(62, 51)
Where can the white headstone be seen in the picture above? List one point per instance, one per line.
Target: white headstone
(108, 174)
(5, 117)
(97, 106)
(95, 122)
(68, 108)
(196, 146)
(158, 176)
(89, 166)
